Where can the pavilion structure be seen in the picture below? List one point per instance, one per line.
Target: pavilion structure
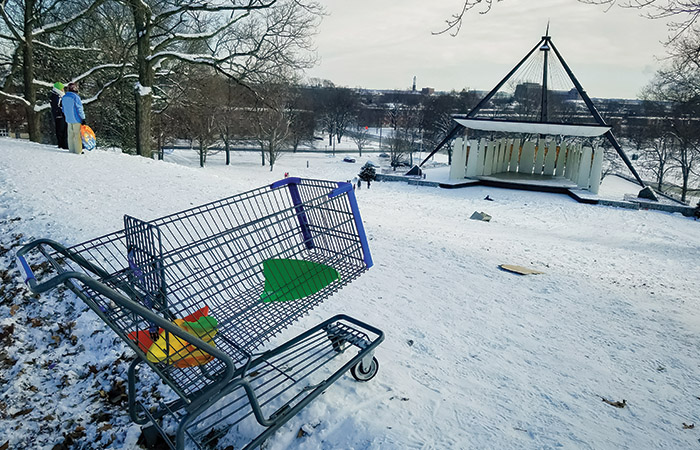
(537, 128)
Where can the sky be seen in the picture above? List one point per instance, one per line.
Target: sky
(382, 44)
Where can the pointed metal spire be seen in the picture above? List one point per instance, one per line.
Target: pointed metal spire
(545, 46)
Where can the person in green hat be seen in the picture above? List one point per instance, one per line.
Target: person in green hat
(59, 118)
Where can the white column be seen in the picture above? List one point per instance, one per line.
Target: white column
(505, 155)
(481, 158)
(459, 160)
(473, 158)
(514, 156)
(539, 156)
(488, 160)
(550, 158)
(572, 163)
(596, 170)
(561, 159)
(527, 158)
(584, 171)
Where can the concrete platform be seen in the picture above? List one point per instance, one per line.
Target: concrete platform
(521, 179)
(539, 183)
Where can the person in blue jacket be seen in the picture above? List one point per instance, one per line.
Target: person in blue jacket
(75, 116)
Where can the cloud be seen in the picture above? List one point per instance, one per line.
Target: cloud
(383, 43)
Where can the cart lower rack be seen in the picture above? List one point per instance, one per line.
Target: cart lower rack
(200, 294)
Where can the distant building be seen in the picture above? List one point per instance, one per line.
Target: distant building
(427, 91)
(527, 91)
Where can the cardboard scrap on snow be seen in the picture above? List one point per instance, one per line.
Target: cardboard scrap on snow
(520, 270)
(481, 216)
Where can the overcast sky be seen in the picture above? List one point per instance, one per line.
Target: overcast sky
(382, 44)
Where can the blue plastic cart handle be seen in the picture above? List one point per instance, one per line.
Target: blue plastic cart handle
(23, 266)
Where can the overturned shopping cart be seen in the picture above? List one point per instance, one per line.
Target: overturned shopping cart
(201, 294)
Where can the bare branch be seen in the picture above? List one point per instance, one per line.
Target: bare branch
(62, 24)
(15, 97)
(199, 36)
(68, 48)
(98, 68)
(210, 7)
(101, 91)
(10, 24)
(454, 24)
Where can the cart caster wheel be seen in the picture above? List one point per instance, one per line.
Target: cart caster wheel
(361, 373)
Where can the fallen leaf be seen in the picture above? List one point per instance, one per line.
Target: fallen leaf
(22, 413)
(7, 332)
(14, 309)
(5, 446)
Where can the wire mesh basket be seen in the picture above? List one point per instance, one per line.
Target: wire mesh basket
(198, 294)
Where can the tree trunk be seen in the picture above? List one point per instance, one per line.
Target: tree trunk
(144, 95)
(33, 117)
(228, 151)
(684, 190)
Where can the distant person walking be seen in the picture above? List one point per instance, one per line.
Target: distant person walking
(75, 116)
(59, 119)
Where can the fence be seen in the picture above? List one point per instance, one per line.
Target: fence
(581, 165)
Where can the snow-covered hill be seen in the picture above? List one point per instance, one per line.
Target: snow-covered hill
(474, 357)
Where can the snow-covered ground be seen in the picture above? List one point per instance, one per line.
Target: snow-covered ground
(474, 357)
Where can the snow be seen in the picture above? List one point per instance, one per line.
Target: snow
(474, 357)
(143, 90)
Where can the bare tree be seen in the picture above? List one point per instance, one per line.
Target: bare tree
(232, 103)
(680, 87)
(245, 41)
(339, 106)
(404, 121)
(360, 137)
(301, 115)
(34, 32)
(272, 124)
(658, 158)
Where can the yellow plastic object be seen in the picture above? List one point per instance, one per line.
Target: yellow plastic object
(179, 352)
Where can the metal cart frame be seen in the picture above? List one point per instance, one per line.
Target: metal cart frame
(148, 279)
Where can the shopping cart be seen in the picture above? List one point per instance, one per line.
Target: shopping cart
(200, 294)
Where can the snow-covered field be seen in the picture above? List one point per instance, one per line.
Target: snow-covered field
(474, 357)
